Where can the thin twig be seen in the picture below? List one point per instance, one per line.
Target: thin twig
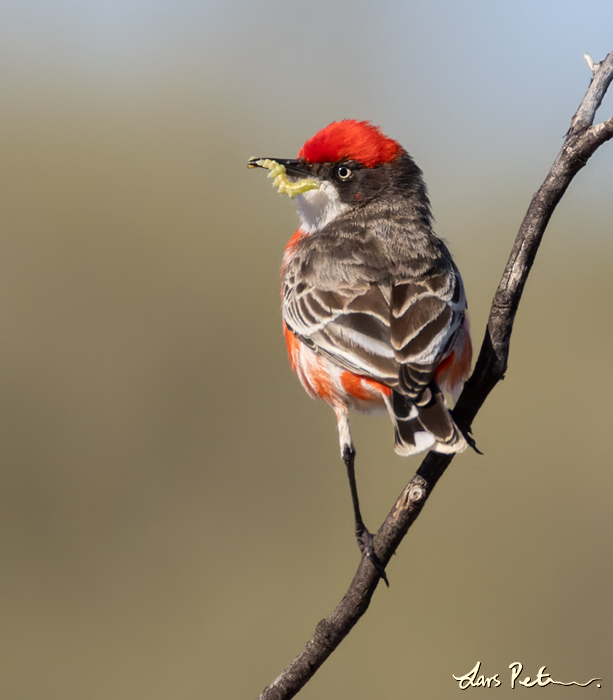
(580, 143)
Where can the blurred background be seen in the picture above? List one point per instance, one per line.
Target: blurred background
(174, 515)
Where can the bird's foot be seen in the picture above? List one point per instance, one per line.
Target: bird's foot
(365, 543)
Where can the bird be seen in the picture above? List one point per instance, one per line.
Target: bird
(374, 308)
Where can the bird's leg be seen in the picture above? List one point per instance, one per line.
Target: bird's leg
(363, 536)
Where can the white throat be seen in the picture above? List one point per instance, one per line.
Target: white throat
(317, 208)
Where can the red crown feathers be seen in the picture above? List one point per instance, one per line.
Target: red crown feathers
(352, 140)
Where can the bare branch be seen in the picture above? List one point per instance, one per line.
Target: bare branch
(602, 75)
(579, 144)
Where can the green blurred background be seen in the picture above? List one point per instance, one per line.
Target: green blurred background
(175, 518)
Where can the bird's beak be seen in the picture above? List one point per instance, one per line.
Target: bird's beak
(294, 168)
(285, 174)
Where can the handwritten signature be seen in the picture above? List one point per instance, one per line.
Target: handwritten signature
(473, 679)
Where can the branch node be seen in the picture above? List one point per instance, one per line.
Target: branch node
(590, 62)
(416, 494)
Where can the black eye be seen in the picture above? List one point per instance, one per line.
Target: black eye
(343, 172)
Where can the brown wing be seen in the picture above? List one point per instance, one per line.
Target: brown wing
(425, 316)
(394, 333)
(351, 327)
